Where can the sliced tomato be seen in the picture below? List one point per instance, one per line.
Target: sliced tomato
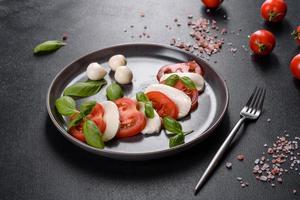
(192, 93)
(191, 66)
(96, 115)
(163, 105)
(132, 121)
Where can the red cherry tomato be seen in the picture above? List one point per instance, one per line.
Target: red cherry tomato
(262, 42)
(132, 121)
(163, 105)
(192, 93)
(273, 10)
(295, 66)
(296, 34)
(191, 66)
(212, 3)
(96, 115)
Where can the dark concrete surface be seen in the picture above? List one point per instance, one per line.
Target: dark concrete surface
(36, 162)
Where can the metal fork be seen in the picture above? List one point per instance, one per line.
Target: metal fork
(251, 111)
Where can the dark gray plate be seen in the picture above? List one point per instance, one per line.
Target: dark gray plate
(144, 60)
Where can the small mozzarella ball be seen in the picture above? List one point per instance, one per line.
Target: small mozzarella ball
(94, 71)
(123, 75)
(117, 61)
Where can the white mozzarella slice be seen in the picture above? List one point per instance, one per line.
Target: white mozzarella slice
(111, 118)
(153, 125)
(196, 78)
(182, 101)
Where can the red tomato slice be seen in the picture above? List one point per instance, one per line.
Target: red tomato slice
(191, 66)
(163, 105)
(96, 115)
(132, 121)
(192, 93)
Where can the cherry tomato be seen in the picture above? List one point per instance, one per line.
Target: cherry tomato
(295, 66)
(191, 66)
(163, 105)
(273, 10)
(296, 34)
(212, 3)
(132, 121)
(96, 115)
(262, 42)
(192, 93)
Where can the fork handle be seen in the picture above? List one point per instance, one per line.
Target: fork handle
(214, 162)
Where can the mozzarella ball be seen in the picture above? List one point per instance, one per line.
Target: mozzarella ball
(123, 75)
(117, 61)
(95, 71)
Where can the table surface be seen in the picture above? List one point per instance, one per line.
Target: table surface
(38, 163)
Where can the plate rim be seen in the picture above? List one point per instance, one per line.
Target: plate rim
(114, 154)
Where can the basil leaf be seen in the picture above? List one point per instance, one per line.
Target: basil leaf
(65, 106)
(92, 134)
(172, 80)
(176, 140)
(87, 107)
(188, 82)
(76, 120)
(114, 91)
(48, 46)
(172, 125)
(140, 96)
(84, 89)
(149, 111)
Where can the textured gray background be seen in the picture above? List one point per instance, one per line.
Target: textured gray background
(36, 162)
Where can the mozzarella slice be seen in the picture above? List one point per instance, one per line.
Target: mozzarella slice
(153, 125)
(112, 119)
(196, 78)
(182, 101)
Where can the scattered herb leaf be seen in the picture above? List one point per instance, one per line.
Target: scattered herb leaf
(172, 80)
(176, 140)
(92, 134)
(149, 111)
(87, 107)
(188, 82)
(48, 46)
(76, 120)
(66, 106)
(140, 96)
(172, 125)
(114, 91)
(84, 89)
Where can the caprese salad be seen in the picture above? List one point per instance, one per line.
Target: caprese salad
(173, 97)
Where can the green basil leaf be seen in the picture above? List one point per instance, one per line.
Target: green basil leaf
(48, 46)
(172, 125)
(172, 80)
(176, 140)
(114, 91)
(84, 89)
(76, 120)
(87, 107)
(140, 96)
(149, 111)
(65, 106)
(92, 134)
(188, 82)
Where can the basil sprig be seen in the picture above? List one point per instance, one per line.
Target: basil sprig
(114, 91)
(149, 110)
(92, 134)
(84, 89)
(66, 106)
(176, 132)
(48, 46)
(174, 78)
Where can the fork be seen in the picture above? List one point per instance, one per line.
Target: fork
(251, 111)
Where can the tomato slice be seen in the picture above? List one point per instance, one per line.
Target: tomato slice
(191, 66)
(192, 93)
(96, 115)
(132, 121)
(163, 105)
